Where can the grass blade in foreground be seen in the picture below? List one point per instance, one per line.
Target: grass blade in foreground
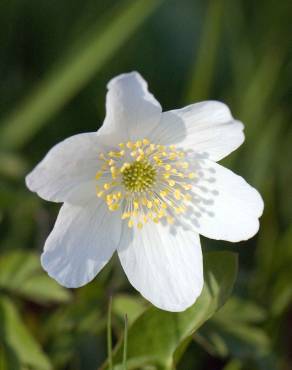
(17, 338)
(63, 83)
(109, 335)
(156, 334)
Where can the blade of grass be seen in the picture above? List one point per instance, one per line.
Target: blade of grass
(66, 80)
(202, 74)
(109, 336)
(125, 344)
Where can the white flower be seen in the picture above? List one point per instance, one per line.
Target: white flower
(146, 184)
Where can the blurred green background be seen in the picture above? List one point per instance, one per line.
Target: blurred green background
(55, 60)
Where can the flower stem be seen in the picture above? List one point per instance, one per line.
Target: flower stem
(125, 344)
(109, 335)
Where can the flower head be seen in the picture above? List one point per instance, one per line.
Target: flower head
(145, 184)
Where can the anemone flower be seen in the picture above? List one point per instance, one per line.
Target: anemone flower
(146, 184)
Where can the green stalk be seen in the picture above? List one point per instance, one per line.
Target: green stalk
(109, 335)
(125, 344)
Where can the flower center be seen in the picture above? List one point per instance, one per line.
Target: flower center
(139, 176)
(147, 181)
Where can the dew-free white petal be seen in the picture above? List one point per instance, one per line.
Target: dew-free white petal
(164, 265)
(81, 243)
(205, 127)
(67, 172)
(224, 205)
(131, 110)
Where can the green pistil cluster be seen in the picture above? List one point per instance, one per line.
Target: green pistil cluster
(139, 176)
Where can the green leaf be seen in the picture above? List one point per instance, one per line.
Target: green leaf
(233, 330)
(8, 359)
(233, 365)
(16, 267)
(241, 310)
(17, 338)
(43, 289)
(21, 273)
(156, 334)
(71, 76)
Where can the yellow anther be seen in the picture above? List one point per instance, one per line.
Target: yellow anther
(125, 166)
(114, 207)
(149, 204)
(172, 156)
(100, 194)
(102, 156)
(107, 186)
(116, 154)
(138, 143)
(140, 158)
(130, 144)
(118, 195)
(139, 225)
(163, 193)
(125, 215)
(146, 142)
(191, 175)
(184, 165)
(188, 197)
(136, 204)
(140, 151)
(109, 199)
(121, 145)
(98, 175)
(177, 194)
(171, 183)
(130, 223)
(187, 186)
(170, 220)
(161, 213)
(167, 167)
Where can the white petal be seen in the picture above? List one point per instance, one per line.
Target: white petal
(164, 265)
(225, 206)
(67, 172)
(81, 243)
(131, 111)
(206, 127)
